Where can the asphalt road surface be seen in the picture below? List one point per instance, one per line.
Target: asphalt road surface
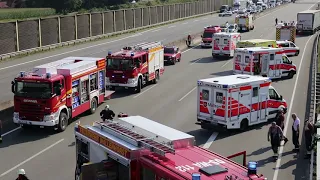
(50, 156)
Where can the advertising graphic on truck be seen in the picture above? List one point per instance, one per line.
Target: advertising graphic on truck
(256, 43)
(237, 101)
(136, 66)
(224, 44)
(55, 92)
(136, 148)
(264, 61)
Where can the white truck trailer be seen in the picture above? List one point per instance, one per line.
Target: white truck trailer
(308, 21)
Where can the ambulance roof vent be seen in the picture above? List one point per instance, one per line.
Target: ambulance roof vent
(215, 81)
(243, 77)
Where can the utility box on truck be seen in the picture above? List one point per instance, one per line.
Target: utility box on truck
(308, 21)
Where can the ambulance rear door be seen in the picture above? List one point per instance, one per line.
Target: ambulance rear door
(265, 64)
(275, 63)
(205, 100)
(233, 105)
(219, 103)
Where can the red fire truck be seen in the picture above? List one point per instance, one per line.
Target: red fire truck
(135, 148)
(207, 35)
(134, 67)
(55, 92)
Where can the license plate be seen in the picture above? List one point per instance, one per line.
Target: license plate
(221, 54)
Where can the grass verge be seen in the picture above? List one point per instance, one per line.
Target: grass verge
(24, 13)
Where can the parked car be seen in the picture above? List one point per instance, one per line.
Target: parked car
(224, 8)
(233, 28)
(225, 13)
(172, 54)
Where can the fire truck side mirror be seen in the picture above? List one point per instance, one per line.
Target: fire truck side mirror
(12, 87)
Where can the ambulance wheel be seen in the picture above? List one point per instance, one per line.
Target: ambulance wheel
(63, 122)
(244, 125)
(139, 86)
(94, 105)
(291, 74)
(297, 53)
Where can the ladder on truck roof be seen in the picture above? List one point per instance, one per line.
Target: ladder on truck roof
(134, 138)
(147, 45)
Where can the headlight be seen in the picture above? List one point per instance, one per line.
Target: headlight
(131, 81)
(16, 115)
(48, 117)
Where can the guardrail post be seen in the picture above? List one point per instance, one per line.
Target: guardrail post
(17, 36)
(59, 29)
(169, 12)
(157, 20)
(114, 21)
(163, 13)
(134, 18)
(40, 34)
(180, 11)
(141, 17)
(76, 26)
(124, 19)
(90, 25)
(174, 11)
(103, 29)
(150, 17)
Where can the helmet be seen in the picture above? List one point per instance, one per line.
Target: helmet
(21, 172)
(107, 106)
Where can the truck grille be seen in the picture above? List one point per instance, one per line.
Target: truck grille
(206, 41)
(34, 112)
(166, 57)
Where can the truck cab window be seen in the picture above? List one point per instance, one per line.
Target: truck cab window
(148, 174)
(285, 60)
(292, 45)
(56, 86)
(271, 57)
(219, 97)
(273, 94)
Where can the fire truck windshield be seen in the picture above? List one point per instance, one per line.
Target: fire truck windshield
(33, 89)
(120, 64)
(207, 34)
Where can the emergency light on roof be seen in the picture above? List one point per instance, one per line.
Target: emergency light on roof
(196, 176)
(132, 54)
(48, 75)
(109, 52)
(252, 167)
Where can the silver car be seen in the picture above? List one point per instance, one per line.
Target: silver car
(226, 13)
(233, 28)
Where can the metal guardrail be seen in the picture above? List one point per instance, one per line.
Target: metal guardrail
(34, 33)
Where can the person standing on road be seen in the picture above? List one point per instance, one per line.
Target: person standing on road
(276, 134)
(0, 131)
(308, 133)
(280, 122)
(107, 114)
(22, 175)
(295, 131)
(276, 21)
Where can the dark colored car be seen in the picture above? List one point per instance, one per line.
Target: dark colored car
(224, 8)
(172, 55)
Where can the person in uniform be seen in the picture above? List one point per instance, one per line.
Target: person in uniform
(22, 175)
(107, 114)
(295, 131)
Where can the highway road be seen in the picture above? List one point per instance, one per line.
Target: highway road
(172, 102)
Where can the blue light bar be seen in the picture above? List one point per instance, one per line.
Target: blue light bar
(196, 176)
(252, 165)
(250, 52)
(224, 86)
(109, 52)
(132, 54)
(21, 73)
(48, 75)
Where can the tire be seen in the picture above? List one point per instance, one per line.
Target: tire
(173, 62)
(179, 59)
(291, 74)
(76, 176)
(244, 125)
(63, 122)
(139, 86)
(94, 105)
(297, 53)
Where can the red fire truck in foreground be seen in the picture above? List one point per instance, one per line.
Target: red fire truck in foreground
(55, 92)
(135, 148)
(134, 67)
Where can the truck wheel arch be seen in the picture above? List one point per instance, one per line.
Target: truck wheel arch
(65, 110)
(244, 124)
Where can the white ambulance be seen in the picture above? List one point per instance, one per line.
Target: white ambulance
(224, 44)
(237, 101)
(264, 61)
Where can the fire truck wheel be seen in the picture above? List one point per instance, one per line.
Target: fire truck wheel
(179, 59)
(244, 125)
(139, 86)
(63, 122)
(155, 81)
(94, 105)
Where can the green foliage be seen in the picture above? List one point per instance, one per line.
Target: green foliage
(24, 13)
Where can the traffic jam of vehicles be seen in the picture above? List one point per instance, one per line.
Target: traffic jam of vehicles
(134, 147)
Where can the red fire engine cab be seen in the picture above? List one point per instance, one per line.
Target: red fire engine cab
(207, 35)
(136, 66)
(55, 92)
(137, 148)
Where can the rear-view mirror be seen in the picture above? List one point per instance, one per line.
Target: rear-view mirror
(12, 87)
(281, 97)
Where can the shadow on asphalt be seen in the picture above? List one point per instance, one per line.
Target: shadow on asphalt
(222, 73)
(201, 135)
(260, 151)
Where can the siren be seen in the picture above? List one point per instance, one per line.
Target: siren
(132, 54)
(196, 176)
(252, 167)
(48, 75)
(22, 73)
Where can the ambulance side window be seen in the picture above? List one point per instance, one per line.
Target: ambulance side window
(219, 97)
(148, 174)
(255, 92)
(225, 41)
(247, 59)
(256, 58)
(205, 95)
(217, 41)
(271, 57)
(238, 59)
(292, 45)
(285, 45)
(273, 94)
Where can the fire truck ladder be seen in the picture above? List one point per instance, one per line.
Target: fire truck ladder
(147, 45)
(135, 139)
